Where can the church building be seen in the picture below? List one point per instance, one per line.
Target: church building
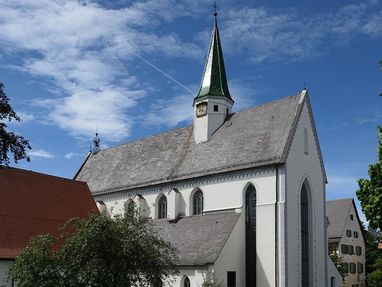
(241, 195)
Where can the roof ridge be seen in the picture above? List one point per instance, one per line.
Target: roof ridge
(188, 126)
(340, 199)
(269, 103)
(37, 173)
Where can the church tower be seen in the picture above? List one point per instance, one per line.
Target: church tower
(213, 102)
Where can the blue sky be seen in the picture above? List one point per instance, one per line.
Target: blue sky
(131, 69)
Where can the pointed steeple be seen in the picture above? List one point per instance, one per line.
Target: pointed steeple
(214, 81)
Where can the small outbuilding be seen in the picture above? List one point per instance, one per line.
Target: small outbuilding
(33, 203)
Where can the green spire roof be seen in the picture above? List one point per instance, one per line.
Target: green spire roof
(214, 81)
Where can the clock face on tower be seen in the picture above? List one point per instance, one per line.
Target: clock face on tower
(201, 109)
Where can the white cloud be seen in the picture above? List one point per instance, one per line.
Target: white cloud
(179, 110)
(25, 117)
(72, 154)
(170, 113)
(273, 35)
(40, 153)
(83, 49)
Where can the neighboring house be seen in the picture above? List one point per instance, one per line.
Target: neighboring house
(32, 204)
(240, 195)
(345, 238)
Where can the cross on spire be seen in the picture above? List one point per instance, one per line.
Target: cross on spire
(216, 9)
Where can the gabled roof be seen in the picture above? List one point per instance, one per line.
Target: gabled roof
(214, 81)
(250, 138)
(33, 203)
(200, 238)
(338, 212)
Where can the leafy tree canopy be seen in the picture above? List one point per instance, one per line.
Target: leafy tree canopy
(10, 142)
(101, 252)
(370, 190)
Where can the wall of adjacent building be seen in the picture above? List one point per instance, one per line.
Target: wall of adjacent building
(4, 267)
(301, 167)
(334, 277)
(222, 193)
(353, 225)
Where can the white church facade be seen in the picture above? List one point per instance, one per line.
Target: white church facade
(240, 195)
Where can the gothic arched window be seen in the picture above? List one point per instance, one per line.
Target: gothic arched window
(197, 202)
(187, 282)
(250, 235)
(162, 207)
(305, 238)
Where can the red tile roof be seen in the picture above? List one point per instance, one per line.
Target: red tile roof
(33, 203)
(380, 245)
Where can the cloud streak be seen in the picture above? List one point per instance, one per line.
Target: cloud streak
(41, 153)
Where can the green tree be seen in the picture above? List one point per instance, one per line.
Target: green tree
(338, 263)
(374, 279)
(370, 190)
(212, 283)
(123, 251)
(10, 142)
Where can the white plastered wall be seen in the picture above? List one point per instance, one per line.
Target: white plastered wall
(206, 125)
(300, 167)
(221, 193)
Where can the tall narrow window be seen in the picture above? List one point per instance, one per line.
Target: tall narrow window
(305, 238)
(187, 282)
(250, 236)
(162, 207)
(332, 281)
(198, 202)
(231, 278)
(306, 145)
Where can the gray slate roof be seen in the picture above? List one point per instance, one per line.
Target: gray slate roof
(249, 138)
(199, 239)
(338, 213)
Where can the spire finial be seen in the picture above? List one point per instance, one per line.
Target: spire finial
(216, 9)
(96, 147)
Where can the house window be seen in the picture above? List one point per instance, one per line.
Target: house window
(355, 234)
(231, 279)
(187, 282)
(351, 217)
(352, 268)
(360, 268)
(216, 108)
(348, 233)
(162, 207)
(358, 250)
(344, 249)
(198, 202)
(305, 238)
(351, 249)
